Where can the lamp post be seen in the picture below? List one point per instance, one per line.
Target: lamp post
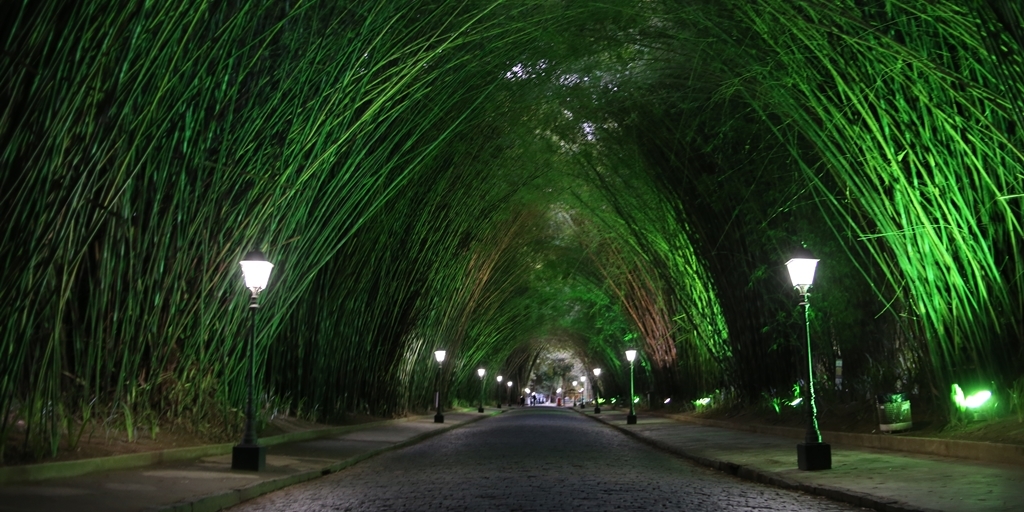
(439, 355)
(597, 392)
(631, 418)
(249, 455)
(558, 396)
(499, 391)
(812, 454)
(574, 384)
(583, 391)
(481, 373)
(508, 392)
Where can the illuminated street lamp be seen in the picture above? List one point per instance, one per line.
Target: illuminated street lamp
(439, 355)
(481, 373)
(508, 392)
(499, 391)
(583, 381)
(249, 455)
(574, 384)
(631, 418)
(812, 454)
(558, 396)
(597, 392)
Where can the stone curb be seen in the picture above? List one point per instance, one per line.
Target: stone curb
(65, 469)
(220, 501)
(756, 475)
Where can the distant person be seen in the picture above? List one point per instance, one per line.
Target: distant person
(522, 401)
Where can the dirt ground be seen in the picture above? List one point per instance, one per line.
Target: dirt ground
(100, 442)
(863, 418)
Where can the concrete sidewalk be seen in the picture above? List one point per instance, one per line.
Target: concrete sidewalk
(208, 483)
(883, 480)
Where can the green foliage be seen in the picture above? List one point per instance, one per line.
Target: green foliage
(499, 179)
(1017, 399)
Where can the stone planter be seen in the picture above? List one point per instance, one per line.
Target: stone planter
(894, 413)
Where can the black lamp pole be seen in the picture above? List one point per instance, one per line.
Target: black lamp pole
(439, 418)
(597, 392)
(812, 454)
(631, 418)
(481, 408)
(249, 455)
(813, 434)
(250, 432)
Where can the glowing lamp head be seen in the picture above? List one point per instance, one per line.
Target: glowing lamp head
(439, 355)
(583, 378)
(575, 383)
(527, 390)
(631, 355)
(801, 270)
(481, 372)
(597, 372)
(509, 384)
(559, 390)
(256, 271)
(499, 378)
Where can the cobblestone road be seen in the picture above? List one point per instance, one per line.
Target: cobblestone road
(533, 459)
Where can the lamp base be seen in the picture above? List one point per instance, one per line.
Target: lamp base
(597, 410)
(499, 405)
(249, 457)
(439, 418)
(631, 419)
(813, 456)
(480, 409)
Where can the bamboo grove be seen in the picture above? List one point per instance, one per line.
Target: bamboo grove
(496, 178)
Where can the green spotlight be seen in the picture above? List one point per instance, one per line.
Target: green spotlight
(972, 401)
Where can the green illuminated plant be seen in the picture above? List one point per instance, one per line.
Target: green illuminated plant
(498, 177)
(1017, 399)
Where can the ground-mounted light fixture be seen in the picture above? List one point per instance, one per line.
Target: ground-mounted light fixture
(597, 392)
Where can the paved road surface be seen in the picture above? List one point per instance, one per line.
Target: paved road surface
(533, 459)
